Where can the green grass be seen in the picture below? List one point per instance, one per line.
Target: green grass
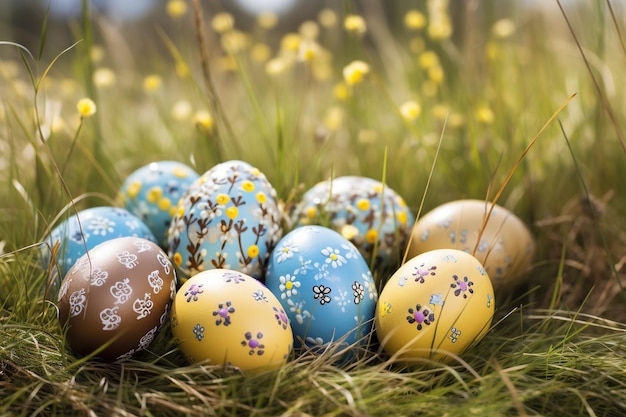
(557, 345)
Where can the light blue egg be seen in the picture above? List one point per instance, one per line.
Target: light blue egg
(85, 230)
(324, 285)
(153, 191)
(229, 218)
(365, 211)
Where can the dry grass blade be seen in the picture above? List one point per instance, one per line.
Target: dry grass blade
(603, 99)
(500, 190)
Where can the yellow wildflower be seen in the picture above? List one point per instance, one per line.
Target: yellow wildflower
(327, 18)
(222, 22)
(341, 91)
(484, 115)
(436, 74)
(181, 68)
(349, 231)
(414, 19)
(203, 119)
(290, 42)
(152, 83)
(309, 49)
(176, 8)
(260, 52)
(355, 24)
(277, 66)
(371, 236)
(86, 107)
(333, 118)
(440, 29)
(96, 53)
(428, 59)
(104, 77)
(267, 20)
(355, 72)
(309, 30)
(503, 28)
(410, 110)
(181, 110)
(234, 41)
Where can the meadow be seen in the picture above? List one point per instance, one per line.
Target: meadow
(442, 101)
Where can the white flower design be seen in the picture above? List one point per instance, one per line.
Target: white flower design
(110, 319)
(333, 257)
(155, 281)
(100, 226)
(143, 307)
(286, 251)
(121, 291)
(298, 308)
(129, 260)
(77, 302)
(142, 245)
(288, 286)
(99, 277)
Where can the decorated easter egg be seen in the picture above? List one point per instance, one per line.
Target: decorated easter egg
(229, 218)
(115, 298)
(505, 247)
(324, 285)
(365, 211)
(438, 303)
(153, 191)
(85, 230)
(225, 317)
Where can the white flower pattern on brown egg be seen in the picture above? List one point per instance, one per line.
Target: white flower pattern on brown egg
(77, 302)
(110, 319)
(143, 307)
(155, 281)
(121, 291)
(129, 260)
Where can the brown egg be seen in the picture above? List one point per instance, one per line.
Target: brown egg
(116, 297)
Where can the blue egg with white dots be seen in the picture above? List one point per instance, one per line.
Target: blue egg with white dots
(85, 230)
(153, 191)
(324, 285)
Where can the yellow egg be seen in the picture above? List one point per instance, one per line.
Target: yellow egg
(225, 317)
(437, 304)
(505, 248)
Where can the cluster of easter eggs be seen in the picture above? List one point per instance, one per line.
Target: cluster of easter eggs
(208, 253)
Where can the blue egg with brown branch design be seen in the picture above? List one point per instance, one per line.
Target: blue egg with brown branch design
(229, 218)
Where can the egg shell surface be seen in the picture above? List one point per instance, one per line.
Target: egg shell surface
(325, 286)
(363, 210)
(506, 247)
(87, 229)
(229, 218)
(437, 303)
(229, 318)
(119, 293)
(152, 193)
